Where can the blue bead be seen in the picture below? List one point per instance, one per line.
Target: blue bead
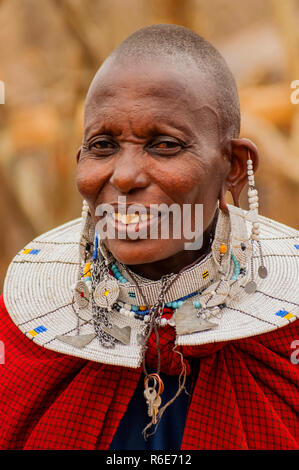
(134, 308)
(180, 303)
(174, 304)
(87, 279)
(169, 304)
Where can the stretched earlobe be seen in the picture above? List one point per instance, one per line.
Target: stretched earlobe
(222, 201)
(235, 192)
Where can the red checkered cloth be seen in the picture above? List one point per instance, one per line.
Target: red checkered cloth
(245, 395)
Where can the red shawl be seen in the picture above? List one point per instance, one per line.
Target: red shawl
(245, 396)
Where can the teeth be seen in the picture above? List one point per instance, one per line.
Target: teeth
(131, 218)
(146, 216)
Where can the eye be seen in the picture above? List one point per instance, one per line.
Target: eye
(102, 146)
(165, 146)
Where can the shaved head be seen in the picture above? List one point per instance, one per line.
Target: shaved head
(179, 45)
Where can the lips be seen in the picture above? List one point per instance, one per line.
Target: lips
(132, 220)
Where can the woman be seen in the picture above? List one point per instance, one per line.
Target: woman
(156, 342)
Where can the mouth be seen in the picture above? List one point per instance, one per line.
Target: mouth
(128, 222)
(137, 225)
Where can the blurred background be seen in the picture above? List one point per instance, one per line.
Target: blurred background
(51, 49)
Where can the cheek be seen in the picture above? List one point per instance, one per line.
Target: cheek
(180, 179)
(190, 181)
(90, 177)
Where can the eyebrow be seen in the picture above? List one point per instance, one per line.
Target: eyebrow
(155, 127)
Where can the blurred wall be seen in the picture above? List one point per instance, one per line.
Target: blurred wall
(49, 52)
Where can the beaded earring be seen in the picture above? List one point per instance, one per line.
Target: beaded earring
(252, 216)
(83, 288)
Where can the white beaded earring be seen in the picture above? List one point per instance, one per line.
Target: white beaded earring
(252, 216)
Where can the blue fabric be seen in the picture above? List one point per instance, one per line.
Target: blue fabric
(169, 433)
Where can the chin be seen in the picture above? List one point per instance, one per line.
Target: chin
(143, 251)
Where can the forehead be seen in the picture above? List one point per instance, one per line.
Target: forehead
(159, 91)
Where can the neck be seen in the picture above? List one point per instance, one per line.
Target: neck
(179, 261)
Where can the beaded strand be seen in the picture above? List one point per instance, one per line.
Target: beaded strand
(141, 312)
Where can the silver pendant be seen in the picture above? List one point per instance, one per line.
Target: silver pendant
(123, 335)
(250, 287)
(81, 294)
(218, 291)
(140, 339)
(106, 293)
(187, 322)
(79, 341)
(262, 272)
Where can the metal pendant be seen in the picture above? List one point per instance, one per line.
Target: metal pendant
(140, 339)
(79, 341)
(187, 322)
(216, 293)
(262, 272)
(123, 335)
(81, 294)
(250, 287)
(106, 293)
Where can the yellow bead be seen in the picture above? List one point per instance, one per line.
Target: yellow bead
(106, 292)
(223, 249)
(142, 307)
(289, 316)
(32, 333)
(87, 268)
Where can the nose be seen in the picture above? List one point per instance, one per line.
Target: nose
(129, 172)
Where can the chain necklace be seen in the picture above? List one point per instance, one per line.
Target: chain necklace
(100, 272)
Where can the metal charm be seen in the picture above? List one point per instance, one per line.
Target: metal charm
(187, 322)
(150, 395)
(262, 272)
(250, 287)
(216, 293)
(123, 335)
(79, 341)
(140, 339)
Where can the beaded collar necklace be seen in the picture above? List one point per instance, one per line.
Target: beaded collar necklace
(190, 303)
(38, 292)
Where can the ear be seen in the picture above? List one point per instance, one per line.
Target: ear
(241, 151)
(78, 154)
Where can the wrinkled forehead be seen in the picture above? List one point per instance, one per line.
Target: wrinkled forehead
(168, 89)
